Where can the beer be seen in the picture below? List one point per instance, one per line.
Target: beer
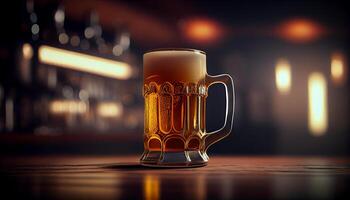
(175, 91)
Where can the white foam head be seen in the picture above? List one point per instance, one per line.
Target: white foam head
(174, 65)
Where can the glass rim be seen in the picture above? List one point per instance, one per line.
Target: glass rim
(175, 49)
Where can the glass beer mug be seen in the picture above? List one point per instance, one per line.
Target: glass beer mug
(175, 91)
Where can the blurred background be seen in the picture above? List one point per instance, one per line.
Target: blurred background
(71, 73)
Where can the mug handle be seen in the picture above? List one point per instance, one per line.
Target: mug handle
(215, 136)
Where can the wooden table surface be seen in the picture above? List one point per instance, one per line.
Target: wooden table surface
(230, 177)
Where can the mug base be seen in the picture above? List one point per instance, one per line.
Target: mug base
(174, 159)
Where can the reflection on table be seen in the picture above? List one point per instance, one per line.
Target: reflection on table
(224, 178)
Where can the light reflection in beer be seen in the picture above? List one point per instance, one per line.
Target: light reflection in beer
(82, 62)
(283, 76)
(317, 116)
(151, 187)
(109, 109)
(338, 69)
(68, 107)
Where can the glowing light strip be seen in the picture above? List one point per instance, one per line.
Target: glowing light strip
(318, 114)
(82, 62)
(68, 106)
(109, 109)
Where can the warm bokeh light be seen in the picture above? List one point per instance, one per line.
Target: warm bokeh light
(283, 76)
(338, 69)
(68, 107)
(83, 62)
(63, 38)
(300, 30)
(109, 109)
(151, 187)
(27, 51)
(318, 111)
(202, 30)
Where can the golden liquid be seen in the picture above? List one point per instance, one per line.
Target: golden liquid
(175, 97)
(173, 122)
